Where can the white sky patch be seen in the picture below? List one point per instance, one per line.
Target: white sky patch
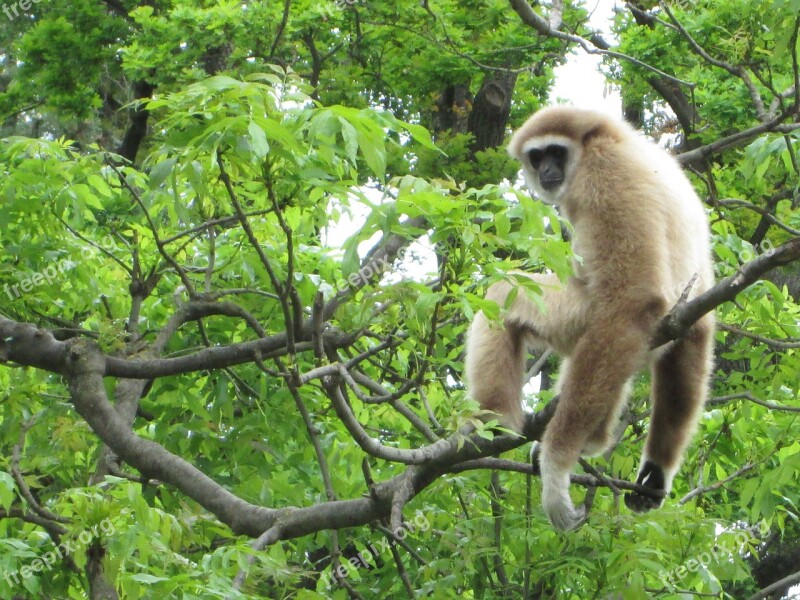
(578, 82)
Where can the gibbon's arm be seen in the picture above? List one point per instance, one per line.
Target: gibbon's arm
(495, 356)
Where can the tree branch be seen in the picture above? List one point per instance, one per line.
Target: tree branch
(778, 585)
(736, 70)
(85, 367)
(84, 371)
(736, 139)
(699, 491)
(595, 45)
(682, 316)
(754, 400)
(375, 263)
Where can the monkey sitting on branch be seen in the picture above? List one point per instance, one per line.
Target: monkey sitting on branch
(643, 238)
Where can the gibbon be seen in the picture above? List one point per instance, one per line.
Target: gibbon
(643, 239)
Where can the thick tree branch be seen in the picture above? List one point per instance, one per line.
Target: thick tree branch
(33, 518)
(287, 4)
(84, 371)
(737, 139)
(778, 585)
(680, 318)
(27, 345)
(85, 367)
(137, 129)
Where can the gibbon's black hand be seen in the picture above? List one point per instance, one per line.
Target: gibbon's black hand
(650, 476)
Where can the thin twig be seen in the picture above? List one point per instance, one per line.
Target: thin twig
(753, 399)
(276, 284)
(160, 246)
(594, 46)
(782, 345)
(734, 203)
(738, 71)
(16, 473)
(698, 491)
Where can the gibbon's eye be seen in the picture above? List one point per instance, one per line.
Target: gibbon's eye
(535, 155)
(557, 152)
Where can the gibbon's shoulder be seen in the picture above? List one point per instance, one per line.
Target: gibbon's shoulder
(579, 125)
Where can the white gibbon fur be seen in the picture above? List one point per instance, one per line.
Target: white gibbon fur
(642, 235)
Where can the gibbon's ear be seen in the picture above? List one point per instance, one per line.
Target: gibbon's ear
(591, 134)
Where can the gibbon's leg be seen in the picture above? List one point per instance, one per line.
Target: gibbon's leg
(604, 360)
(495, 354)
(494, 367)
(678, 392)
(600, 438)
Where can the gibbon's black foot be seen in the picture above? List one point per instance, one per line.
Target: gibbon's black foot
(651, 476)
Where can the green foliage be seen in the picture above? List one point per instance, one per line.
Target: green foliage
(308, 160)
(62, 59)
(322, 174)
(457, 163)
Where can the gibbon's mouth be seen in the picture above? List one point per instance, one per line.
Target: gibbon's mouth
(551, 183)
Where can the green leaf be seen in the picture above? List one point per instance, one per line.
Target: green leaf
(350, 137)
(7, 490)
(279, 133)
(160, 172)
(422, 135)
(351, 262)
(258, 140)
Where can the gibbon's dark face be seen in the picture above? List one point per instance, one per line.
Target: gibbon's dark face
(550, 164)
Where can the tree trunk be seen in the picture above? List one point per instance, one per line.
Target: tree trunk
(452, 108)
(489, 116)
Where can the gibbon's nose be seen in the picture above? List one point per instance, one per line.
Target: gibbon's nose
(550, 174)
